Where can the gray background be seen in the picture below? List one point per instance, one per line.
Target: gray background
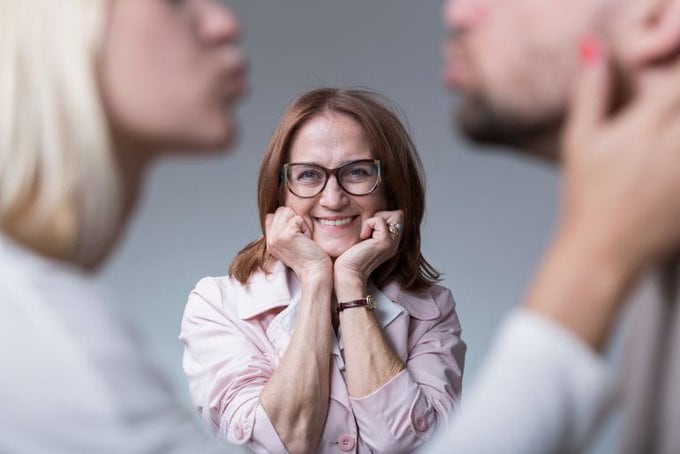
(489, 215)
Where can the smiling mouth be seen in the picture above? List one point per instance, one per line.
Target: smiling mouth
(335, 222)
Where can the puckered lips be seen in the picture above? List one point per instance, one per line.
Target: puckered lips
(457, 70)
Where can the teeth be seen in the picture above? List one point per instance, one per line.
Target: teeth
(334, 222)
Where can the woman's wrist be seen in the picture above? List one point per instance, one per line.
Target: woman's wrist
(317, 275)
(580, 283)
(349, 286)
(602, 245)
(316, 281)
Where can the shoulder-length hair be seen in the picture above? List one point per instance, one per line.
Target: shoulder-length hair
(59, 183)
(403, 182)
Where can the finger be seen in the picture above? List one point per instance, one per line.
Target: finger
(268, 222)
(282, 217)
(381, 233)
(367, 228)
(285, 214)
(661, 95)
(308, 225)
(300, 225)
(590, 98)
(395, 222)
(391, 217)
(378, 228)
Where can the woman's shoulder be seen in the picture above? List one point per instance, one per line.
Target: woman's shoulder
(212, 288)
(209, 296)
(228, 294)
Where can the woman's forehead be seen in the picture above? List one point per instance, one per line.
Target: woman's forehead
(330, 140)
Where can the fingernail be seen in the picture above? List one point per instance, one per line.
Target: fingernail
(590, 50)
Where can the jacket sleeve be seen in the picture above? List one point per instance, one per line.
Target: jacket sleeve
(226, 371)
(403, 413)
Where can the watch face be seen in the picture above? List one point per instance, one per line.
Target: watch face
(370, 302)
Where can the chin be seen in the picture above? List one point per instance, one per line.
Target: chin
(221, 138)
(214, 134)
(483, 122)
(336, 250)
(334, 253)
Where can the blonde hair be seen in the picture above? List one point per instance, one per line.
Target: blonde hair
(60, 188)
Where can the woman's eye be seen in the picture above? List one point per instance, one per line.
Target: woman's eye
(308, 175)
(358, 171)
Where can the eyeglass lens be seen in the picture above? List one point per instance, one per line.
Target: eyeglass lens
(356, 178)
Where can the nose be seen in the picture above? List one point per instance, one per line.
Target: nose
(460, 15)
(219, 24)
(333, 196)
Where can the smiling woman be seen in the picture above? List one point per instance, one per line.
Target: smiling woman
(334, 311)
(323, 125)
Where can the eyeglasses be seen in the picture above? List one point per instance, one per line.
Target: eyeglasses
(359, 177)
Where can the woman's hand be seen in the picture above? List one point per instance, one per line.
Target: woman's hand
(621, 198)
(377, 245)
(370, 362)
(296, 396)
(622, 171)
(289, 239)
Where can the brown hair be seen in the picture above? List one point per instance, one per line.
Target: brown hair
(403, 182)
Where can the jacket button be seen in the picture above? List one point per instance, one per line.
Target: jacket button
(421, 424)
(238, 431)
(346, 442)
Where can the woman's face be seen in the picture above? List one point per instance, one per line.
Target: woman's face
(335, 217)
(171, 72)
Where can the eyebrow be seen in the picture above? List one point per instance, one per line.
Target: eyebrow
(344, 163)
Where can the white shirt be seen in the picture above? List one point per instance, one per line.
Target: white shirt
(72, 378)
(541, 390)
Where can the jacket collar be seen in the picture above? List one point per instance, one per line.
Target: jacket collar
(266, 291)
(385, 310)
(280, 287)
(418, 305)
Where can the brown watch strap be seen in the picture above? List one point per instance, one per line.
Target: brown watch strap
(368, 301)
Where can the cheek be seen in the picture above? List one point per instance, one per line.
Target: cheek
(158, 86)
(300, 206)
(531, 61)
(377, 202)
(175, 112)
(368, 208)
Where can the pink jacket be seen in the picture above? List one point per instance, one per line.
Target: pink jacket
(235, 336)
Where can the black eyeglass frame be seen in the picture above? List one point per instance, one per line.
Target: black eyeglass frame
(328, 172)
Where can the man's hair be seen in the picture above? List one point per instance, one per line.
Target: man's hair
(403, 182)
(59, 182)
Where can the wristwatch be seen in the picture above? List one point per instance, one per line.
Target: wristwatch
(368, 302)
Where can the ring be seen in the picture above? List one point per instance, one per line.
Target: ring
(395, 229)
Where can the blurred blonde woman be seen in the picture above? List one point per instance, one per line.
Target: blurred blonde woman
(91, 92)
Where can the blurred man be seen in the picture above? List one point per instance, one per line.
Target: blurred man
(514, 64)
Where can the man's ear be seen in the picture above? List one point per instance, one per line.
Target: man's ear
(655, 33)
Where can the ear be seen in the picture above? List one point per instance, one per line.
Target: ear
(656, 32)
